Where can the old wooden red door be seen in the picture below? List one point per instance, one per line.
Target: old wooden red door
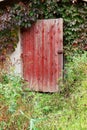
(42, 54)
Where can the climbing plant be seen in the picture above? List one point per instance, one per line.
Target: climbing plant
(25, 13)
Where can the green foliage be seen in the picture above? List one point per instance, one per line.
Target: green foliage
(24, 14)
(75, 72)
(75, 27)
(10, 91)
(12, 103)
(67, 110)
(8, 42)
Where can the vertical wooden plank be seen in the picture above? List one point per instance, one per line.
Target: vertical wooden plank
(45, 56)
(43, 31)
(33, 87)
(39, 54)
(56, 69)
(30, 55)
(40, 86)
(51, 54)
(60, 48)
(48, 54)
(36, 58)
(53, 59)
(45, 51)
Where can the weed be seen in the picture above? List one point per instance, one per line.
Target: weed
(67, 110)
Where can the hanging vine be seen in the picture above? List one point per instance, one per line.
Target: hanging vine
(25, 13)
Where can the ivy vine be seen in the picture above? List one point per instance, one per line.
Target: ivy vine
(24, 13)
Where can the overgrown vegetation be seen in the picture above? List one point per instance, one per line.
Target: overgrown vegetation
(66, 110)
(25, 13)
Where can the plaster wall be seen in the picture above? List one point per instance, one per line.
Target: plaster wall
(16, 59)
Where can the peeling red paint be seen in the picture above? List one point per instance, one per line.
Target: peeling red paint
(43, 54)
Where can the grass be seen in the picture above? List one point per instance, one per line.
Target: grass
(66, 110)
(36, 111)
